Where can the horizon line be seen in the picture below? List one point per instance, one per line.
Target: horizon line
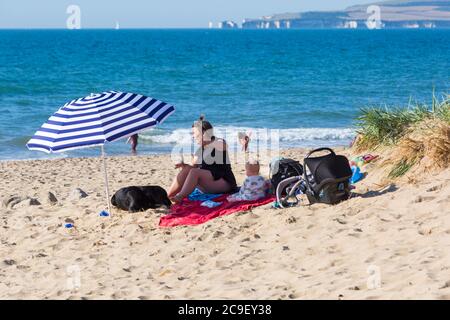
(200, 28)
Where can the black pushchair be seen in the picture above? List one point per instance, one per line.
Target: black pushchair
(326, 179)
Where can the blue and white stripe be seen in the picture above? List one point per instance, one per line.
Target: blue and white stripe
(97, 119)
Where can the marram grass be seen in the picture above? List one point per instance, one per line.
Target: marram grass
(400, 168)
(381, 126)
(416, 132)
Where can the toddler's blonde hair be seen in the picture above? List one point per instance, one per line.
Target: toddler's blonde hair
(252, 164)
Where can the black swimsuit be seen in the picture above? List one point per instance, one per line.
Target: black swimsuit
(218, 163)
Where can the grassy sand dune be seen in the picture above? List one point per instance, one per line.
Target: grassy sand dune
(414, 141)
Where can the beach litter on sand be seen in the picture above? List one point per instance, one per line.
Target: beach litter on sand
(104, 214)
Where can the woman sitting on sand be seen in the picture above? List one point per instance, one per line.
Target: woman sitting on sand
(210, 170)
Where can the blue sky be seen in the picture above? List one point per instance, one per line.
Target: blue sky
(151, 13)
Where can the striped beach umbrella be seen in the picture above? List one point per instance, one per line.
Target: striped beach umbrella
(98, 119)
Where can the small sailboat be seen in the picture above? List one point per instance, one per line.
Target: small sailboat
(117, 25)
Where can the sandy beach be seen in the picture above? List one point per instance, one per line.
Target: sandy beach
(389, 241)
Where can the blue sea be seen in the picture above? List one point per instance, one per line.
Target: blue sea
(309, 84)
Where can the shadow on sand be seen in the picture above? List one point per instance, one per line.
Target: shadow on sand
(371, 194)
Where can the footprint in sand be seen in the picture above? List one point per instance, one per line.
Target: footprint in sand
(177, 254)
(217, 234)
(291, 220)
(422, 199)
(434, 188)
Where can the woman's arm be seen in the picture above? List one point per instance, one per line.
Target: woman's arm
(220, 145)
(194, 161)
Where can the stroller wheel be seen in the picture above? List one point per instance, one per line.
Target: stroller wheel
(288, 202)
(288, 190)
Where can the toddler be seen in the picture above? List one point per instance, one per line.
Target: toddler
(254, 187)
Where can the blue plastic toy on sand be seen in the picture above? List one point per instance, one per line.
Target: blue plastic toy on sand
(104, 214)
(69, 225)
(357, 175)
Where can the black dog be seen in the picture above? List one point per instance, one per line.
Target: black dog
(136, 199)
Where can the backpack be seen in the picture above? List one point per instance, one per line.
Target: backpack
(327, 177)
(282, 169)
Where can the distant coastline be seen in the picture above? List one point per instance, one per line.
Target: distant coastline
(402, 14)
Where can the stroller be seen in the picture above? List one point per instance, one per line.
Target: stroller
(325, 180)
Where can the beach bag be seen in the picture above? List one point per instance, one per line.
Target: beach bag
(282, 169)
(327, 177)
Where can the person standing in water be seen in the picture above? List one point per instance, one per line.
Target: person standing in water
(133, 140)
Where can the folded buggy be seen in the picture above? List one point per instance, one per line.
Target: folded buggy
(325, 179)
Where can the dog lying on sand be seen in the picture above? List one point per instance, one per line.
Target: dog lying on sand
(135, 199)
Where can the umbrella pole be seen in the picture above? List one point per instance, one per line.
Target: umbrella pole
(106, 180)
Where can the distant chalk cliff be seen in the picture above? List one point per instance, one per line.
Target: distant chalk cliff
(379, 15)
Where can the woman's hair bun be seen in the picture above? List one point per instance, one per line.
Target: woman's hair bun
(202, 124)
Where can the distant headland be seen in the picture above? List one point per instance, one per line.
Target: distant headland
(386, 14)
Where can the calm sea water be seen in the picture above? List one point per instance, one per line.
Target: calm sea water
(309, 83)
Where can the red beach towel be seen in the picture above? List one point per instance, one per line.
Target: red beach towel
(192, 213)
